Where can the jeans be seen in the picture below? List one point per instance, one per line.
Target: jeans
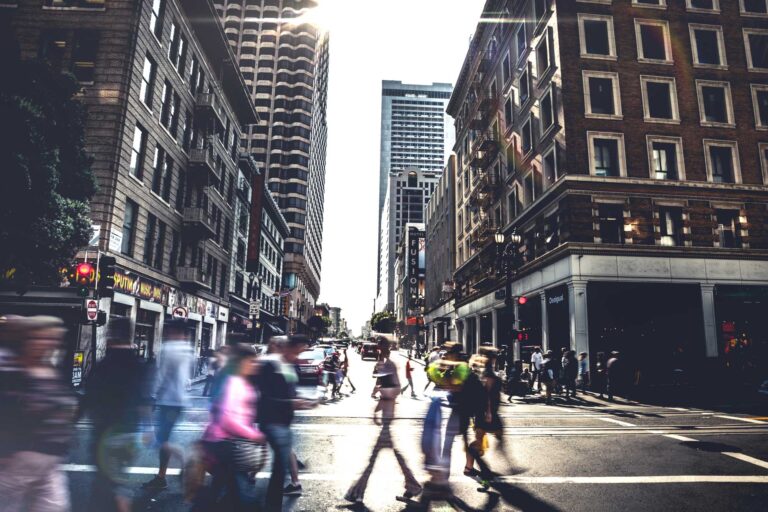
(280, 438)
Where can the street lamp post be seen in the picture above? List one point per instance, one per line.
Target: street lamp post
(507, 261)
(257, 318)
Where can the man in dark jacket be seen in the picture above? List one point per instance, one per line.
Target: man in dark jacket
(117, 400)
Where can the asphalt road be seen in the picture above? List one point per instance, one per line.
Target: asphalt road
(584, 455)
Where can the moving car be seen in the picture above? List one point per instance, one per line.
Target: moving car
(369, 349)
(310, 364)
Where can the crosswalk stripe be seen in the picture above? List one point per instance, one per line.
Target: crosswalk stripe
(748, 420)
(747, 458)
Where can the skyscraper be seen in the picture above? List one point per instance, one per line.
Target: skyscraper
(415, 133)
(284, 62)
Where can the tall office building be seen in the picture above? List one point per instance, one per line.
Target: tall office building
(415, 133)
(285, 66)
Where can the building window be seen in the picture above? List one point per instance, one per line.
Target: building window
(550, 167)
(722, 160)
(174, 115)
(129, 227)
(138, 151)
(659, 99)
(707, 46)
(659, 4)
(543, 53)
(149, 240)
(547, 110)
(760, 104)
(156, 18)
(522, 41)
(653, 43)
(715, 105)
(756, 42)
(159, 256)
(539, 8)
(527, 136)
(146, 91)
(703, 5)
(53, 46)
(611, 222)
(508, 113)
(665, 155)
(606, 154)
(506, 69)
(532, 186)
(525, 84)
(727, 228)
(175, 44)
(596, 36)
(754, 7)
(602, 98)
(670, 226)
(763, 148)
(84, 53)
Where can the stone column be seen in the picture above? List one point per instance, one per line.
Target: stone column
(544, 323)
(577, 312)
(710, 325)
(495, 327)
(461, 329)
(478, 331)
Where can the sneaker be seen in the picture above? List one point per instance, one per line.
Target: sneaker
(158, 482)
(292, 490)
(471, 472)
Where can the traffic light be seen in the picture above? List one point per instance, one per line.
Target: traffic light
(106, 287)
(522, 300)
(83, 277)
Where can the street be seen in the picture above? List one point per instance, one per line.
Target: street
(584, 455)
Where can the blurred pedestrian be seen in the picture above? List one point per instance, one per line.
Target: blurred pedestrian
(345, 370)
(537, 359)
(486, 420)
(37, 413)
(570, 372)
(583, 378)
(216, 362)
(547, 375)
(615, 375)
(235, 445)
(599, 381)
(117, 400)
(331, 366)
(170, 396)
(388, 386)
(277, 383)
(431, 357)
(408, 378)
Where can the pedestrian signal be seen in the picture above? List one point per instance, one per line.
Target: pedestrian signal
(106, 286)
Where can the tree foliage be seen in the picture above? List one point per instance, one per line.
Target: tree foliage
(384, 321)
(47, 177)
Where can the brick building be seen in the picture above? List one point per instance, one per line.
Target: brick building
(165, 106)
(626, 141)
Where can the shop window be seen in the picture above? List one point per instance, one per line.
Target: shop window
(703, 5)
(129, 227)
(144, 334)
(138, 152)
(601, 95)
(671, 226)
(84, 52)
(722, 161)
(754, 7)
(596, 36)
(760, 105)
(611, 221)
(666, 158)
(727, 228)
(707, 46)
(659, 99)
(653, 43)
(756, 42)
(606, 154)
(715, 105)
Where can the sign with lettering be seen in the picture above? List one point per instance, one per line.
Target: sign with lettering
(142, 287)
(415, 272)
(77, 368)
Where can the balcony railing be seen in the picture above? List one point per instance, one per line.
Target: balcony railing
(203, 162)
(192, 276)
(198, 222)
(207, 104)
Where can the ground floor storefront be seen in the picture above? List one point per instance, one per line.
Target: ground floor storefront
(671, 319)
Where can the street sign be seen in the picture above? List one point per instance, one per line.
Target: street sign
(95, 235)
(91, 309)
(255, 306)
(115, 241)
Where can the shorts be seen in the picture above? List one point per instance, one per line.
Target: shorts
(167, 416)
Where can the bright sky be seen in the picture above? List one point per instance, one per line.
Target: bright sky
(415, 41)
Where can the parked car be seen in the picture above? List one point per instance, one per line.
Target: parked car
(369, 349)
(310, 364)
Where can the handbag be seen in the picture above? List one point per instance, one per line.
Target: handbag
(245, 455)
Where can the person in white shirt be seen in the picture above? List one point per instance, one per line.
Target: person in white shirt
(536, 361)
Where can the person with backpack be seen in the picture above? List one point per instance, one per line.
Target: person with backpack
(331, 367)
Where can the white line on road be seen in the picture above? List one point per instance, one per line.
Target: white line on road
(618, 422)
(747, 458)
(748, 420)
(651, 479)
(680, 438)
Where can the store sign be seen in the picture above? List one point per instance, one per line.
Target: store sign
(223, 314)
(142, 287)
(77, 368)
(557, 299)
(414, 271)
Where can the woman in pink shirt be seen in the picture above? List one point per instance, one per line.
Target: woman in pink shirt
(233, 416)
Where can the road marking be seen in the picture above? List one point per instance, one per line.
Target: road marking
(680, 438)
(652, 479)
(618, 422)
(747, 458)
(748, 420)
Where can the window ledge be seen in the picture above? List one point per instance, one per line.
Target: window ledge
(698, 65)
(655, 61)
(702, 11)
(8, 6)
(598, 56)
(646, 6)
(710, 124)
(753, 14)
(659, 120)
(73, 8)
(159, 197)
(135, 178)
(757, 70)
(607, 117)
(545, 78)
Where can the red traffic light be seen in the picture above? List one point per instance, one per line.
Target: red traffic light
(522, 300)
(84, 269)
